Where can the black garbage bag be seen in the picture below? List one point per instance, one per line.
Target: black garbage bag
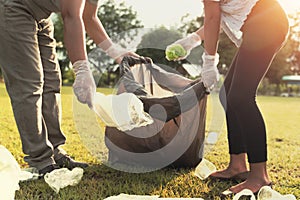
(178, 107)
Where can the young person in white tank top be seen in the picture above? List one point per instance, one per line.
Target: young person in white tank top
(259, 29)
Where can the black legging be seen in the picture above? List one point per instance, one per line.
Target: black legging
(264, 33)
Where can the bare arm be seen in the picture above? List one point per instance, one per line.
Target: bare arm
(212, 22)
(74, 35)
(94, 27)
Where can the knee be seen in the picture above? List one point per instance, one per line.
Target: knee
(238, 101)
(52, 82)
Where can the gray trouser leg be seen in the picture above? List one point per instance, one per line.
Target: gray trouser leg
(52, 84)
(32, 78)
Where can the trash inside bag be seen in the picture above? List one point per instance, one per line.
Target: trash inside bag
(63, 177)
(204, 169)
(124, 111)
(9, 174)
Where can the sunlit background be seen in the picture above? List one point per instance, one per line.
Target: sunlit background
(169, 12)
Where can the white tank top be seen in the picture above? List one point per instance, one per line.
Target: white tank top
(233, 15)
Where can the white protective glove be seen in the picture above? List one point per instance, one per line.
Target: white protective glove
(84, 85)
(188, 43)
(116, 52)
(210, 73)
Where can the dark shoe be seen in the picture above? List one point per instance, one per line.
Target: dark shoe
(47, 169)
(67, 162)
(238, 177)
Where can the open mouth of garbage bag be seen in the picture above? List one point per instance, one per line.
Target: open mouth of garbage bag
(177, 106)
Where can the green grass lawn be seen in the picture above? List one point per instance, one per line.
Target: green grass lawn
(282, 116)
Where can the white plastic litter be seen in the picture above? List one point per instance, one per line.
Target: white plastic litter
(60, 178)
(9, 174)
(29, 174)
(124, 111)
(204, 169)
(265, 193)
(212, 138)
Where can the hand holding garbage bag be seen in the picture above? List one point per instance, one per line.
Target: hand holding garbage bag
(210, 73)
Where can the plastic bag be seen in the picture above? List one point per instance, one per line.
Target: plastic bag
(267, 193)
(9, 174)
(204, 169)
(63, 177)
(124, 111)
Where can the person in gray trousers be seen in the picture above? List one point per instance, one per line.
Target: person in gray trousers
(32, 74)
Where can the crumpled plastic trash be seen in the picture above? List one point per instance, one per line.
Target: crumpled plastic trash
(124, 111)
(9, 174)
(265, 193)
(212, 138)
(29, 174)
(61, 178)
(204, 169)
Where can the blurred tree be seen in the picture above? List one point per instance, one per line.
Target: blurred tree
(117, 19)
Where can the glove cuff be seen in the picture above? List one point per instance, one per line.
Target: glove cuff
(195, 38)
(210, 60)
(81, 65)
(114, 50)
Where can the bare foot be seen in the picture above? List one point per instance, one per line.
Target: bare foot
(253, 184)
(228, 173)
(237, 167)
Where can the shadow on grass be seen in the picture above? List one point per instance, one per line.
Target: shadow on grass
(100, 181)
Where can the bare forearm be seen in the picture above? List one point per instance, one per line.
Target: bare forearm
(74, 38)
(94, 27)
(211, 35)
(98, 34)
(212, 22)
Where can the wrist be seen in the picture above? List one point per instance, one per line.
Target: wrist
(210, 60)
(115, 51)
(105, 45)
(196, 37)
(81, 65)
